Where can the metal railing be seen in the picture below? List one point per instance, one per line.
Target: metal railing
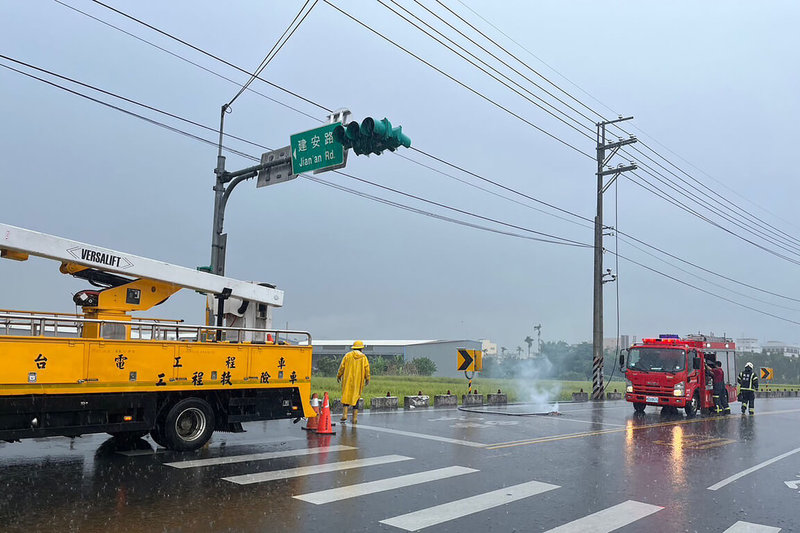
(54, 325)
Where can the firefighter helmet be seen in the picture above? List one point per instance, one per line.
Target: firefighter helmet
(749, 365)
(358, 345)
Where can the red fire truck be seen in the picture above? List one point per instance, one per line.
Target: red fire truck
(674, 372)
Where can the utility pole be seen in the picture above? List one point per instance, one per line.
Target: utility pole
(603, 170)
(276, 165)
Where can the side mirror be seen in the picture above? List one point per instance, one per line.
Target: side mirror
(696, 363)
(622, 354)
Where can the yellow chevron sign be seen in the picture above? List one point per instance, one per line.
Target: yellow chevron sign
(470, 360)
(766, 373)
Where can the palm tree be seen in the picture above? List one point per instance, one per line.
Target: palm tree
(519, 352)
(529, 342)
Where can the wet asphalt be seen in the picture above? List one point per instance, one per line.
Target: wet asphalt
(593, 467)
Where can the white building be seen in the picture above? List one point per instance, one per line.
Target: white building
(748, 344)
(781, 348)
(489, 348)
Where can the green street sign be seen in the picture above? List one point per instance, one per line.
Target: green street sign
(316, 150)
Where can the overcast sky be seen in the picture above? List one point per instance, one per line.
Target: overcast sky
(713, 87)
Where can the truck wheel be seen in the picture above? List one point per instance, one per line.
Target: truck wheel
(691, 407)
(188, 424)
(639, 407)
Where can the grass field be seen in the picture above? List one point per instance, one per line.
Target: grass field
(517, 390)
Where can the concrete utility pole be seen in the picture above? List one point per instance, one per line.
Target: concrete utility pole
(603, 170)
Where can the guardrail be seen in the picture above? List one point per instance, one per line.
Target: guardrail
(52, 325)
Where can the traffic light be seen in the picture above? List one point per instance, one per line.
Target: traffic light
(371, 136)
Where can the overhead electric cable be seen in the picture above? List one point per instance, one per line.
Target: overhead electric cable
(553, 239)
(761, 223)
(525, 64)
(186, 60)
(275, 48)
(197, 49)
(528, 98)
(742, 210)
(757, 233)
(734, 302)
(212, 143)
(708, 220)
(457, 81)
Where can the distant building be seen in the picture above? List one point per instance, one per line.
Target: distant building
(781, 348)
(748, 344)
(489, 348)
(442, 352)
(625, 341)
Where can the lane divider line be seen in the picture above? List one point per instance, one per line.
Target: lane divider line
(759, 466)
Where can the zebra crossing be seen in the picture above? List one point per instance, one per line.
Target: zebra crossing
(603, 521)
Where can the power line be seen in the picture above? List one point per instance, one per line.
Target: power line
(553, 239)
(551, 113)
(667, 197)
(532, 55)
(496, 184)
(751, 216)
(197, 49)
(756, 232)
(275, 49)
(459, 82)
(186, 60)
(311, 116)
(715, 193)
(734, 302)
(389, 202)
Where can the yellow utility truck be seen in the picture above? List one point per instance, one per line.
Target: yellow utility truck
(104, 370)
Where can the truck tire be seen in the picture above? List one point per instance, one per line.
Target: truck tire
(188, 425)
(639, 407)
(691, 407)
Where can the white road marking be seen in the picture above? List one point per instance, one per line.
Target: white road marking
(316, 469)
(257, 456)
(381, 485)
(467, 506)
(747, 527)
(609, 519)
(752, 469)
(421, 436)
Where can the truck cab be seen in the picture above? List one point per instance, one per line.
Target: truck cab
(674, 372)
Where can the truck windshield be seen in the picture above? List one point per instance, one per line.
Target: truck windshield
(657, 359)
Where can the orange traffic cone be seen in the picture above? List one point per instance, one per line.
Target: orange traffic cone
(324, 427)
(313, 422)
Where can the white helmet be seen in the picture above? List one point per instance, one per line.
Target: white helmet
(749, 365)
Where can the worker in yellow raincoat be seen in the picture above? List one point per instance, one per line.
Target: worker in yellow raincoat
(353, 375)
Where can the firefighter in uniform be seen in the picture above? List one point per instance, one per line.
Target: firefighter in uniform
(748, 384)
(720, 392)
(354, 376)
